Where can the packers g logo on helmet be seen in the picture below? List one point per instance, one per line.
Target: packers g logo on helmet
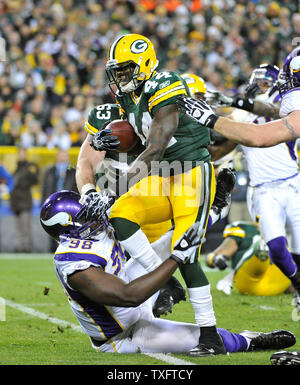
(131, 60)
(139, 46)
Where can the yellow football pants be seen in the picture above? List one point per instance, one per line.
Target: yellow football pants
(261, 278)
(185, 198)
(155, 230)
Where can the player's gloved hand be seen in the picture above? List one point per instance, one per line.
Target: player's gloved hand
(186, 246)
(216, 99)
(243, 103)
(251, 90)
(103, 141)
(98, 204)
(217, 260)
(198, 110)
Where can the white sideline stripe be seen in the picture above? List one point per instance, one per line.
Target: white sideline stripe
(169, 359)
(263, 307)
(46, 317)
(25, 309)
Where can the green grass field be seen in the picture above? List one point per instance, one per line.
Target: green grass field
(40, 329)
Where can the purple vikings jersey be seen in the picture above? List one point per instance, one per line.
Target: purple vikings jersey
(98, 321)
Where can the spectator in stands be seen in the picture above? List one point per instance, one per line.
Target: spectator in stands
(59, 137)
(6, 181)
(56, 50)
(59, 176)
(25, 176)
(34, 135)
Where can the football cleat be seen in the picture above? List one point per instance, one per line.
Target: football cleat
(285, 358)
(208, 347)
(177, 290)
(164, 303)
(203, 350)
(225, 184)
(277, 339)
(171, 294)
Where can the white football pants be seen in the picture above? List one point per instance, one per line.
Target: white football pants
(277, 206)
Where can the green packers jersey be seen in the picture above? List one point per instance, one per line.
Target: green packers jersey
(190, 140)
(247, 237)
(114, 162)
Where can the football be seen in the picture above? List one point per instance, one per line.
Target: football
(125, 133)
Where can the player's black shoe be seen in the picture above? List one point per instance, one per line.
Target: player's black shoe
(177, 290)
(202, 350)
(224, 185)
(164, 303)
(277, 339)
(208, 346)
(285, 358)
(171, 294)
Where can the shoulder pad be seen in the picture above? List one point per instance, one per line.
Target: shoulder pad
(100, 115)
(163, 87)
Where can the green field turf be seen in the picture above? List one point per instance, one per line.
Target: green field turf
(40, 328)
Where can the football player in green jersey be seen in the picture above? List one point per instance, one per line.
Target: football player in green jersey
(175, 165)
(251, 269)
(100, 170)
(93, 163)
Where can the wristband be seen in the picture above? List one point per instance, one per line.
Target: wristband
(88, 188)
(210, 259)
(176, 259)
(246, 104)
(211, 121)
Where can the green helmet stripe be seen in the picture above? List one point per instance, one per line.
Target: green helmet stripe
(113, 48)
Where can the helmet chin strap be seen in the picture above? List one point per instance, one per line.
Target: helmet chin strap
(129, 87)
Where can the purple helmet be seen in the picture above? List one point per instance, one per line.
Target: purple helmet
(265, 76)
(63, 214)
(289, 76)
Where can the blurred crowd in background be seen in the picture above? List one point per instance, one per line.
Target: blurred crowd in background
(56, 51)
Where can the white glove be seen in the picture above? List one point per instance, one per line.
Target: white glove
(216, 99)
(98, 204)
(198, 110)
(187, 245)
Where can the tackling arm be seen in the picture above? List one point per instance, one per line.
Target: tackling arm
(107, 289)
(218, 99)
(260, 135)
(228, 247)
(88, 162)
(268, 110)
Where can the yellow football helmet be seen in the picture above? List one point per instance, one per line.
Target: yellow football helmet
(195, 83)
(131, 60)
